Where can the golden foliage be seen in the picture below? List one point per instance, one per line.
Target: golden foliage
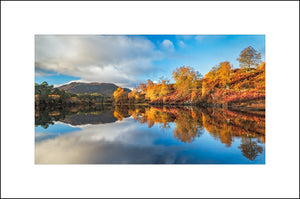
(120, 96)
(186, 80)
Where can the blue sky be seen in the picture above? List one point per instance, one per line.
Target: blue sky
(128, 60)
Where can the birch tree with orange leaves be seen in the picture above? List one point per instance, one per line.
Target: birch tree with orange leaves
(186, 80)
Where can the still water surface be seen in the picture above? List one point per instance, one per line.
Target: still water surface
(148, 135)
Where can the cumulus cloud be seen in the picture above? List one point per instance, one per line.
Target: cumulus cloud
(117, 59)
(39, 72)
(181, 44)
(167, 45)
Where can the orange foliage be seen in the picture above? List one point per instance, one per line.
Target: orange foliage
(120, 96)
(243, 86)
(222, 85)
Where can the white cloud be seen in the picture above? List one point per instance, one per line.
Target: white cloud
(40, 73)
(167, 45)
(181, 44)
(199, 38)
(116, 59)
(80, 80)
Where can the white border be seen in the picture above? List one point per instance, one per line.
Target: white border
(277, 20)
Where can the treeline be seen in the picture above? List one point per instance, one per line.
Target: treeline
(187, 81)
(46, 95)
(221, 86)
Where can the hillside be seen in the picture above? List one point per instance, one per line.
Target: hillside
(89, 88)
(243, 89)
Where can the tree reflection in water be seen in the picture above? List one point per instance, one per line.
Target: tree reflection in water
(249, 148)
(188, 127)
(74, 115)
(222, 124)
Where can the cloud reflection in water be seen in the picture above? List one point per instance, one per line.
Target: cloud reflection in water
(157, 137)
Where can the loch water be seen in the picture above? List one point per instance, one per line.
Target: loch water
(148, 135)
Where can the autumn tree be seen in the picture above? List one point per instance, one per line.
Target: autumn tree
(249, 57)
(209, 81)
(120, 96)
(150, 90)
(153, 90)
(143, 88)
(136, 97)
(186, 80)
(223, 73)
(164, 87)
(132, 96)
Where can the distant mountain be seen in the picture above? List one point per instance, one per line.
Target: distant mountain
(89, 88)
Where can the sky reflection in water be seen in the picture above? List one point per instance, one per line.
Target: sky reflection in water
(151, 136)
